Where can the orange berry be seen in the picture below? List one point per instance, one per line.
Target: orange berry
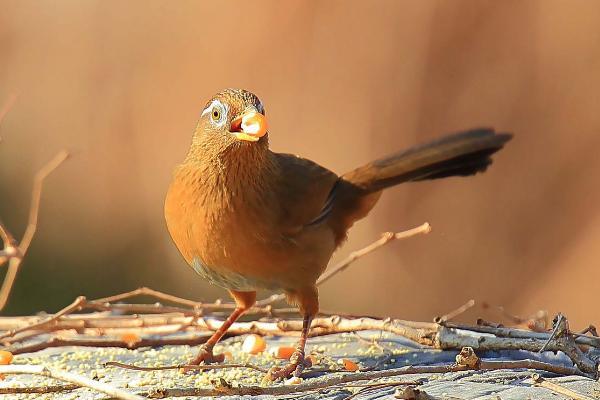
(6, 357)
(228, 355)
(130, 338)
(350, 365)
(254, 344)
(282, 352)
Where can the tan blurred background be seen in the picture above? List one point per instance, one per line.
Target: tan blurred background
(121, 85)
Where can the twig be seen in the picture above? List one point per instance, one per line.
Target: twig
(385, 238)
(97, 342)
(591, 329)
(557, 326)
(38, 389)
(355, 255)
(145, 291)
(15, 262)
(69, 377)
(75, 306)
(454, 313)
(339, 379)
(187, 367)
(538, 380)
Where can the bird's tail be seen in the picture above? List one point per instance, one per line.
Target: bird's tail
(460, 154)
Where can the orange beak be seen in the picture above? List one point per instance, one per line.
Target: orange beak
(251, 126)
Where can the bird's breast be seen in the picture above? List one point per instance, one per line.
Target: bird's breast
(233, 235)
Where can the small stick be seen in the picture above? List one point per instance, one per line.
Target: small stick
(355, 255)
(15, 262)
(146, 291)
(185, 366)
(77, 305)
(38, 389)
(340, 379)
(385, 238)
(539, 381)
(591, 329)
(557, 327)
(69, 377)
(454, 313)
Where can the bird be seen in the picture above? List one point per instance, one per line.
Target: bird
(247, 218)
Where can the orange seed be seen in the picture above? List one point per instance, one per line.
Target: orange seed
(254, 344)
(282, 352)
(6, 357)
(350, 365)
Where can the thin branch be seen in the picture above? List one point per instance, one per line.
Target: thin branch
(15, 262)
(36, 195)
(557, 326)
(186, 367)
(38, 389)
(355, 255)
(455, 313)
(385, 238)
(75, 306)
(145, 291)
(340, 379)
(69, 377)
(540, 381)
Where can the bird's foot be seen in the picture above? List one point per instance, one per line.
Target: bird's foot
(298, 362)
(206, 356)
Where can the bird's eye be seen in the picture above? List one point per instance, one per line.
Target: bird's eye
(216, 114)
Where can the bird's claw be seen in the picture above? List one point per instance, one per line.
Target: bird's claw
(298, 362)
(206, 356)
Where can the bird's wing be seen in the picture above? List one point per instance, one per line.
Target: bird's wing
(305, 190)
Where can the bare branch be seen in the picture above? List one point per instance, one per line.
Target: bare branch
(69, 377)
(540, 381)
(14, 262)
(355, 255)
(340, 380)
(455, 313)
(186, 367)
(36, 195)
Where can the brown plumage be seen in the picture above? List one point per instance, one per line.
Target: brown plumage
(247, 218)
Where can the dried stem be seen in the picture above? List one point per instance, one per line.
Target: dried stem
(540, 381)
(69, 377)
(186, 367)
(455, 313)
(14, 262)
(355, 255)
(341, 379)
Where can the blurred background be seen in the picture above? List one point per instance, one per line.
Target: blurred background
(121, 85)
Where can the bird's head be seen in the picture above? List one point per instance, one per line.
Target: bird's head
(233, 118)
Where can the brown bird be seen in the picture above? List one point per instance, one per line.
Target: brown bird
(247, 218)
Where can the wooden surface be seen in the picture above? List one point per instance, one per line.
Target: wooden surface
(399, 352)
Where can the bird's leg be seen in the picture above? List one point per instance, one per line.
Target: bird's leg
(243, 301)
(309, 306)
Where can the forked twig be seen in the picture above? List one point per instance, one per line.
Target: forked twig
(14, 262)
(355, 255)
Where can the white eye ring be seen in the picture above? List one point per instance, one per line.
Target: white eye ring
(220, 111)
